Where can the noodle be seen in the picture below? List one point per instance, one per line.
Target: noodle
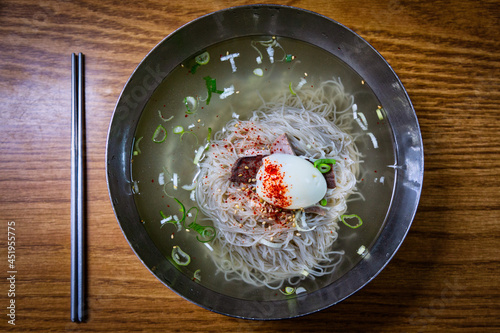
(257, 242)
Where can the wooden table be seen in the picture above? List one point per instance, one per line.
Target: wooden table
(445, 276)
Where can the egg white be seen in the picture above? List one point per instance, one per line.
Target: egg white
(303, 184)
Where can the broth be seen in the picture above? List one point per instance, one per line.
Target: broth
(176, 153)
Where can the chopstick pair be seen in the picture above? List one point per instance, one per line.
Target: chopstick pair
(77, 190)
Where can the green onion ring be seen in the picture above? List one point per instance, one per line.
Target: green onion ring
(158, 130)
(324, 168)
(180, 257)
(323, 164)
(351, 216)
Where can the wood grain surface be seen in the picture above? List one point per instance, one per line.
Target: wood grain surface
(445, 277)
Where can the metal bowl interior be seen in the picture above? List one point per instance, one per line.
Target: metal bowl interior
(303, 26)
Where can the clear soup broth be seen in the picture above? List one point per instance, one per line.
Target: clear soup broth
(246, 74)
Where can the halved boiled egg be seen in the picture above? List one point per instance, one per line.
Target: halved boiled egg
(290, 182)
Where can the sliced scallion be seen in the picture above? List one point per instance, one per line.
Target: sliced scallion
(191, 104)
(180, 131)
(160, 134)
(137, 150)
(211, 87)
(291, 89)
(197, 275)
(207, 233)
(380, 113)
(203, 58)
(199, 154)
(163, 118)
(208, 138)
(182, 210)
(258, 71)
(288, 291)
(209, 134)
(323, 164)
(352, 216)
(180, 257)
(300, 290)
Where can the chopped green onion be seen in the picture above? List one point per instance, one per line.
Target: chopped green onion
(178, 130)
(374, 139)
(323, 164)
(197, 275)
(361, 250)
(211, 87)
(352, 216)
(191, 104)
(291, 89)
(324, 168)
(300, 290)
(199, 154)
(380, 115)
(194, 68)
(160, 134)
(323, 202)
(166, 219)
(163, 118)
(258, 71)
(180, 257)
(137, 150)
(289, 58)
(203, 58)
(182, 210)
(288, 291)
(206, 232)
(208, 138)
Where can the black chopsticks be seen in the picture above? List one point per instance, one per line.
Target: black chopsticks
(77, 190)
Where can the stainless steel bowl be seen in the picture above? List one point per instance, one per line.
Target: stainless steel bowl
(300, 25)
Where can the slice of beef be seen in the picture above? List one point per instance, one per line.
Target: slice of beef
(316, 210)
(282, 145)
(330, 179)
(245, 168)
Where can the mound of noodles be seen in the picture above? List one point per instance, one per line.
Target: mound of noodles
(257, 242)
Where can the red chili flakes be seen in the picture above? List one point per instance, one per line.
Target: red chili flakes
(273, 185)
(186, 116)
(152, 180)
